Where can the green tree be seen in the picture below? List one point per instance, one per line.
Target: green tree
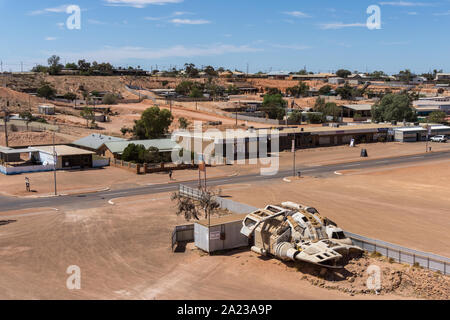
(46, 91)
(191, 70)
(405, 75)
(315, 118)
(274, 106)
(394, 107)
(330, 109)
(88, 114)
(40, 68)
(346, 92)
(185, 87)
(27, 116)
(71, 65)
(110, 98)
(437, 117)
(232, 89)
(70, 96)
(273, 91)
(154, 123)
(184, 123)
(296, 116)
(325, 90)
(54, 67)
(343, 73)
(209, 70)
(195, 93)
(300, 90)
(133, 152)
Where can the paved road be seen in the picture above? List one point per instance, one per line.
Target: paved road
(99, 198)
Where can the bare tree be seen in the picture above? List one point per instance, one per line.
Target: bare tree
(191, 208)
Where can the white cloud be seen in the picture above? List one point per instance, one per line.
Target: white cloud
(189, 21)
(405, 4)
(445, 13)
(340, 25)
(96, 22)
(295, 47)
(140, 3)
(59, 9)
(120, 54)
(175, 14)
(413, 13)
(50, 38)
(296, 14)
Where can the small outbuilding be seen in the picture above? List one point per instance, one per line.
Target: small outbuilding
(66, 157)
(221, 233)
(47, 109)
(411, 134)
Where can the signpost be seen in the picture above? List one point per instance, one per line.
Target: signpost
(428, 135)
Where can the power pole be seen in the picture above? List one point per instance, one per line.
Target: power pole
(293, 151)
(237, 113)
(5, 119)
(55, 159)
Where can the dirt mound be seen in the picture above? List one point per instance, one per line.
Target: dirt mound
(24, 139)
(399, 279)
(18, 100)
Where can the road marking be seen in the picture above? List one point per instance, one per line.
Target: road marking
(386, 161)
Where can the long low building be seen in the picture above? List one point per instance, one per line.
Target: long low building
(45, 158)
(115, 149)
(242, 144)
(425, 107)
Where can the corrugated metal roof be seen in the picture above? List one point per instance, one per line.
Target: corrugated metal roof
(95, 141)
(62, 150)
(359, 107)
(163, 145)
(413, 129)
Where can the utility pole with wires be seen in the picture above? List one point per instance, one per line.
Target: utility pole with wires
(5, 110)
(55, 159)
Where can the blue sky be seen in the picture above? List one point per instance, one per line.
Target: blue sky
(323, 35)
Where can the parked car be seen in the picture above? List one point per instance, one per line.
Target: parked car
(439, 138)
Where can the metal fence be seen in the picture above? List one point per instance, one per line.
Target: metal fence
(183, 233)
(401, 254)
(190, 192)
(397, 253)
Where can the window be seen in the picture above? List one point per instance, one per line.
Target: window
(338, 235)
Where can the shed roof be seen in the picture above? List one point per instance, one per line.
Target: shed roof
(63, 150)
(95, 141)
(359, 107)
(223, 220)
(412, 129)
(164, 145)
